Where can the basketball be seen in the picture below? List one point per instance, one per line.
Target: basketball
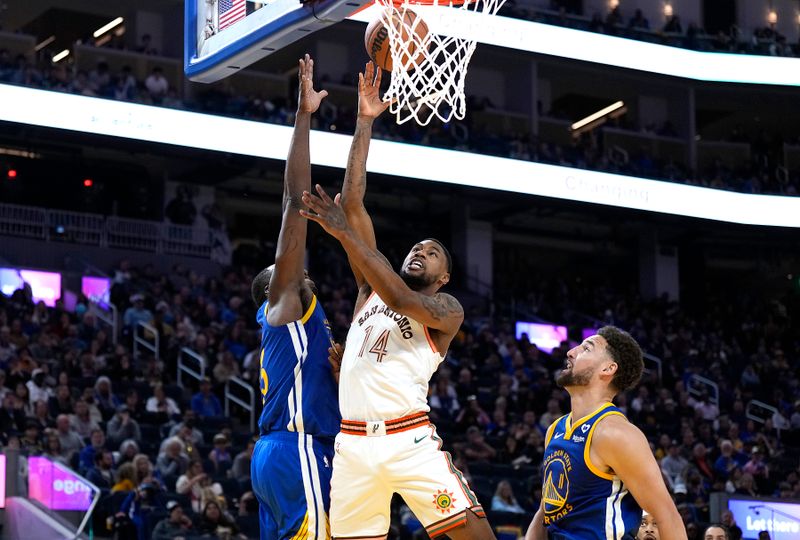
(376, 40)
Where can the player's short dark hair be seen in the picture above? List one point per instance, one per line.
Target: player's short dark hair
(624, 350)
(718, 526)
(260, 283)
(447, 255)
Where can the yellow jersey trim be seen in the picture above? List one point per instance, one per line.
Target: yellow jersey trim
(571, 426)
(310, 309)
(302, 532)
(549, 434)
(586, 449)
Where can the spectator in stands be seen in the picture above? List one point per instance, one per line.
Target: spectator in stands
(241, 464)
(146, 45)
(504, 500)
(701, 464)
(756, 465)
(61, 403)
(31, 442)
(728, 460)
(101, 474)
(41, 415)
(172, 462)
(476, 448)
(136, 313)
(674, 466)
(444, 401)
(122, 427)
(189, 420)
(128, 450)
(52, 448)
(220, 455)
(156, 85)
(198, 486)
(708, 410)
(673, 25)
(12, 416)
(204, 403)
(175, 525)
(86, 456)
(472, 415)
(145, 472)
(71, 443)
(37, 389)
(215, 522)
(126, 478)
(639, 21)
(553, 413)
(138, 505)
(160, 403)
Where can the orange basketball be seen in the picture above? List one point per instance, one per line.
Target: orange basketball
(376, 40)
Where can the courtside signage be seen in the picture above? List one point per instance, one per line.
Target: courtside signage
(609, 50)
(782, 520)
(194, 130)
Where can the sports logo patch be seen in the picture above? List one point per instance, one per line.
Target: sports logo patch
(443, 501)
(585, 428)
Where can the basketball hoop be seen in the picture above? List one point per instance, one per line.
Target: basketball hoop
(429, 84)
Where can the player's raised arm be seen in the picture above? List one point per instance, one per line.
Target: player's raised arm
(288, 276)
(624, 448)
(439, 311)
(370, 106)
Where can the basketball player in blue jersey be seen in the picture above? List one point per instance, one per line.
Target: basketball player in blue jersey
(598, 470)
(291, 463)
(402, 328)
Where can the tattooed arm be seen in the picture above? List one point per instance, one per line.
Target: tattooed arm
(441, 311)
(289, 296)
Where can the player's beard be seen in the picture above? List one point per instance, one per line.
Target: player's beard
(416, 282)
(568, 377)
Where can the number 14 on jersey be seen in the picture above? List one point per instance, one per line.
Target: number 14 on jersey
(378, 347)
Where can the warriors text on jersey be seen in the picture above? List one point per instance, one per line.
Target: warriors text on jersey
(579, 501)
(388, 360)
(298, 390)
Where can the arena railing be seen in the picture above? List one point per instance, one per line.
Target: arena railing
(655, 360)
(697, 385)
(197, 373)
(755, 409)
(152, 346)
(230, 397)
(76, 227)
(109, 315)
(115, 232)
(26, 221)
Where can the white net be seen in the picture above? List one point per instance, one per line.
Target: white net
(429, 68)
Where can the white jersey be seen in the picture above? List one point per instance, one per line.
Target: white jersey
(388, 361)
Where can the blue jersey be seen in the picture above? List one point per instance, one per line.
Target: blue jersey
(581, 502)
(298, 391)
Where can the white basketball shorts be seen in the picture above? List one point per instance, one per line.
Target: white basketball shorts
(367, 470)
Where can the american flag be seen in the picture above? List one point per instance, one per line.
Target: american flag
(231, 11)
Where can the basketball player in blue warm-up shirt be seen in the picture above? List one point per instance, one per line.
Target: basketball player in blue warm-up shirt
(598, 471)
(291, 463)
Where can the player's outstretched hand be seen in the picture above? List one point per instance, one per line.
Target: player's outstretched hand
(335, 352)
(325, 211)
(309, 99)
(370, 104)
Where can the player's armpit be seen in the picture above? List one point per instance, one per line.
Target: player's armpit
(624, 448)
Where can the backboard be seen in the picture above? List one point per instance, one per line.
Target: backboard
(224, 36)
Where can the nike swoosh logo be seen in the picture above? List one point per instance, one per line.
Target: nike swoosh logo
(558, 435)
(418, 440)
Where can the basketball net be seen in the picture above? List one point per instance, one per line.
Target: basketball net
(428, 74)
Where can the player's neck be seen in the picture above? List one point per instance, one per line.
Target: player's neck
(584, 400)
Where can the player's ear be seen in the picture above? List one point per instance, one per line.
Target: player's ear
(610, 368)
(445, 279)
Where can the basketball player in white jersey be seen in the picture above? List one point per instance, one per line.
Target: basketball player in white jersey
(400, 333)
